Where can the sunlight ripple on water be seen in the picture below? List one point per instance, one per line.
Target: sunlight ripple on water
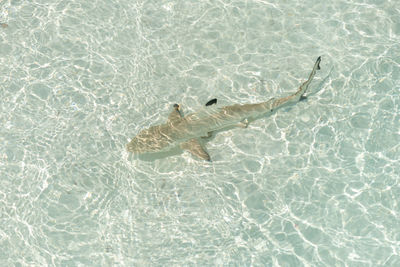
(315, 184)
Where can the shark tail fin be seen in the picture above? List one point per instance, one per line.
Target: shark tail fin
(299, 95)
(303, 88)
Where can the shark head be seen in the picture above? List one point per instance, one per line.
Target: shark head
(153, 139)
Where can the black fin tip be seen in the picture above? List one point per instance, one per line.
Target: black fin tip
(211, 102)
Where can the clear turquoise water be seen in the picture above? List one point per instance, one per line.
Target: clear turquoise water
(316, 184)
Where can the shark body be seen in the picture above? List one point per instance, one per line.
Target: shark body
(186, 131)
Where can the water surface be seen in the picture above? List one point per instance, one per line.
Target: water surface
(316, 184)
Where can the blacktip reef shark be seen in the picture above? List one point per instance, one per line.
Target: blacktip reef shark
(186, 131)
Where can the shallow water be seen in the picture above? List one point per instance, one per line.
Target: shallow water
(316, 184)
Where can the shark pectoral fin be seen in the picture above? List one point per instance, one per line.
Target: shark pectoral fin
(196, 149)
(176, 114)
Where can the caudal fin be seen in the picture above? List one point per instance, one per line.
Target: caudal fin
(299, 95)
(303, 88)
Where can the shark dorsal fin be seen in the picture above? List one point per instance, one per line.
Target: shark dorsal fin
(175, 114)
(211, 102)
(196, 149)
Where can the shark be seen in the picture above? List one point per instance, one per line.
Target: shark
(188, 132)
